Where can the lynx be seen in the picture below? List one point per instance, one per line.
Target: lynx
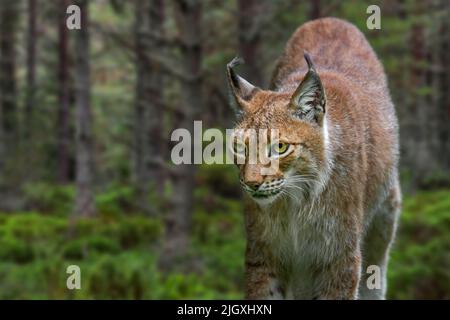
(330, 210)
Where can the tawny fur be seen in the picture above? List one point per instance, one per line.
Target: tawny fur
(317, 241)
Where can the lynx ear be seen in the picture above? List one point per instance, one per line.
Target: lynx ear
(241, 91)
(308, 100)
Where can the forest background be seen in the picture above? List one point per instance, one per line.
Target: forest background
(85, 123)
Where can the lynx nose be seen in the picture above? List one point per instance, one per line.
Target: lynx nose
(254, 185)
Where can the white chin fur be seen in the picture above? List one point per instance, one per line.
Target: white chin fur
(264, 202)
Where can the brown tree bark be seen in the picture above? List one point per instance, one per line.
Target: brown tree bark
(31, 66)
(63, 122)
(84, 202)
(314, 9)
(9, 15)
(188, 15)
(156, 106)
(9, 137)
(425, 135)
(148, 175)
(418, 151)
(249, 13)
(443, 100)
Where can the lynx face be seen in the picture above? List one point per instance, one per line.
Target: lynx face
(298, 151)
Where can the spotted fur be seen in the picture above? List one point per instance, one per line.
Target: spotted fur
(330, 210)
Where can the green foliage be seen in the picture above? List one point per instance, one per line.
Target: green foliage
(115, 200)
(133, 232)
(124, 276)
(79, 248)
(16, 250)
(48, 198)
(419, 265)
(118, 250)
(221, 179)
(118, 254)
(36, 249)
(436, 180)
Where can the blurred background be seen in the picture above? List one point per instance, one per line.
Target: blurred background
(85, 123)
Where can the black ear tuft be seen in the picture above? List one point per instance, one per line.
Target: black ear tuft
(235, 62)
(241, 90)
(309, 61)
(230, 72)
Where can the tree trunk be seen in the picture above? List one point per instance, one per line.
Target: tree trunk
(148, 109)
(419, 155)
(314, 9)
(443, 87)
(84, 202)
(156, 106)
(9, 142)
(63, 128)
(249, 39)
(9, 14)
(31, 66)
(426, 136)
(178, 221)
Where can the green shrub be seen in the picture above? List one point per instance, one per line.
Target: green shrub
(419, 265)
(124, 276)
(49, 198)
(138, 230)
(117, 254)
(115, 200)
(82, 248)
(182, 286)
(16, 250)
(33, 226)
(221, 180)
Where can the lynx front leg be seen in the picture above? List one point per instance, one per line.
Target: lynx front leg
(339, 280)
(261, 284)
(260, 280)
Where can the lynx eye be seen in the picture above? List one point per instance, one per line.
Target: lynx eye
(240, 149)
(277, 149)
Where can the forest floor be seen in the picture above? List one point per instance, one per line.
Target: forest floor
(118, 253)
